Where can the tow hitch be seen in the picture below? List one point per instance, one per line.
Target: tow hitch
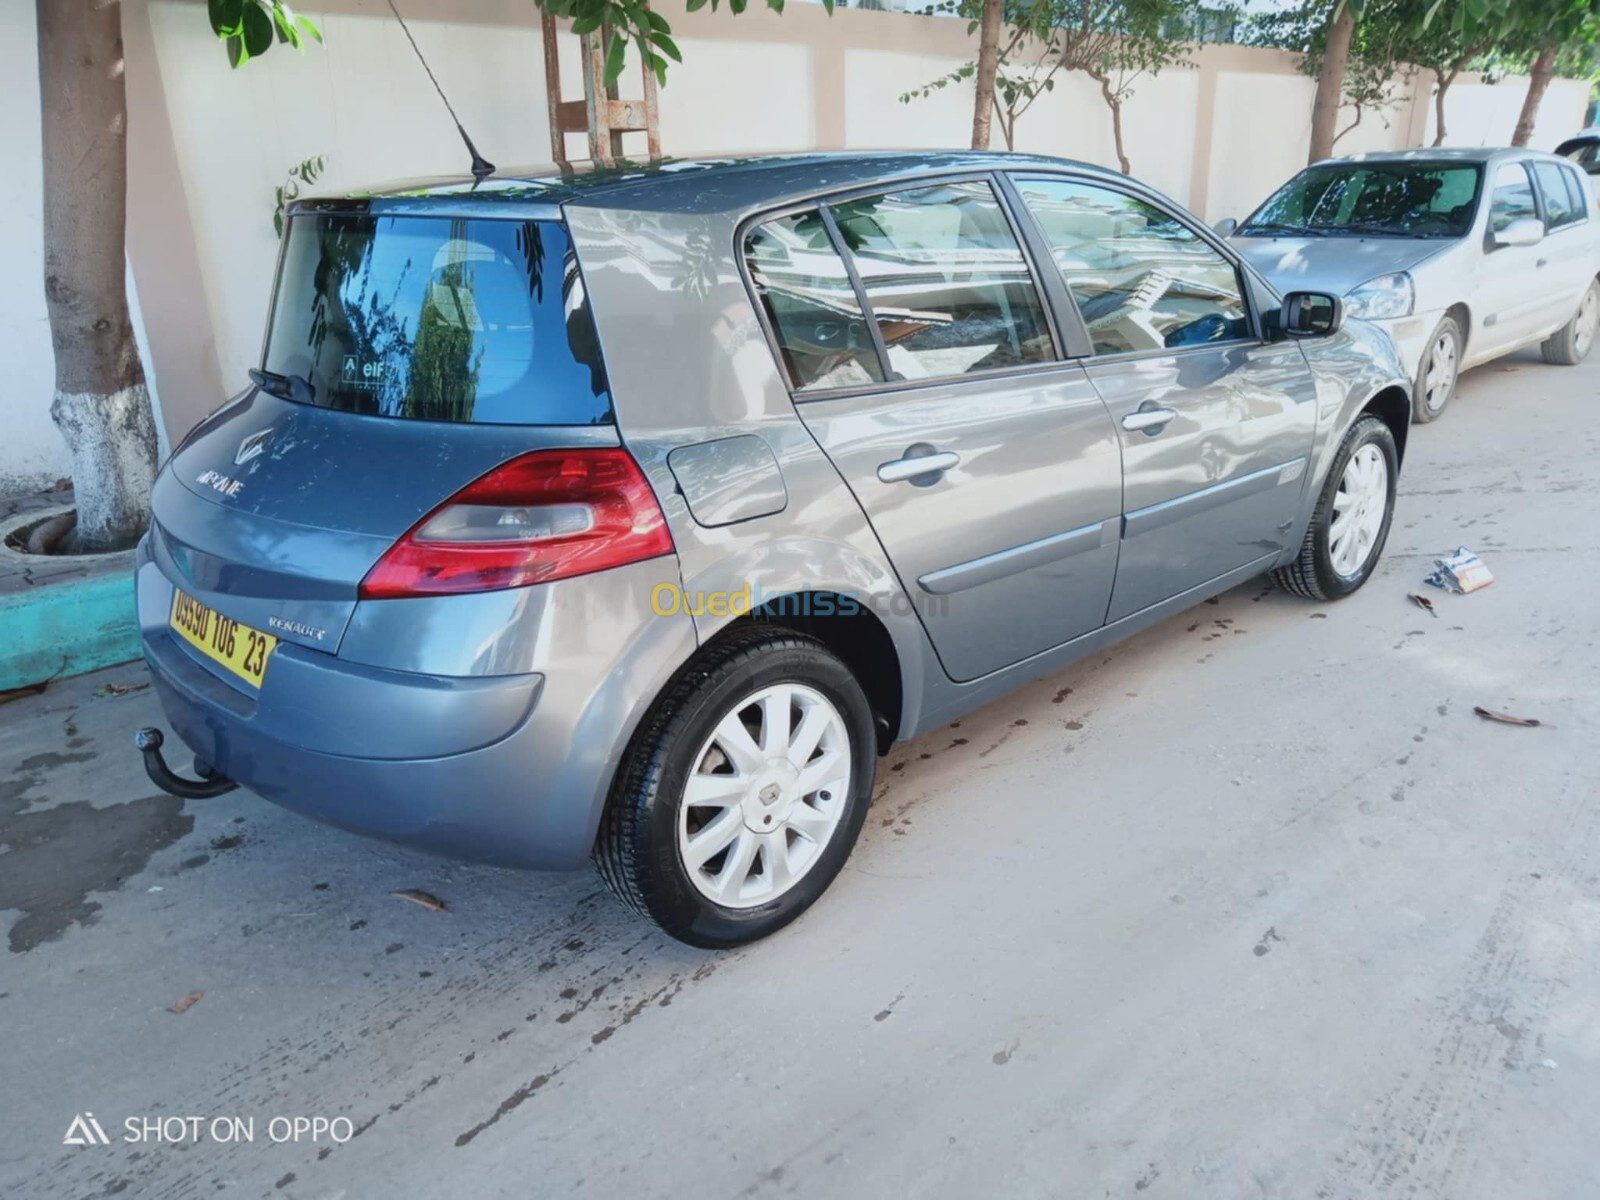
(148, 743)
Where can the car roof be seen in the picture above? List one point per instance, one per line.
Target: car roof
(696, 185)
(1439, 154)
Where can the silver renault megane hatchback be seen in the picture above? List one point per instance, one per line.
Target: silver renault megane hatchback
(634, 513)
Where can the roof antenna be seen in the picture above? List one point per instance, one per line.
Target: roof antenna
(482, 168)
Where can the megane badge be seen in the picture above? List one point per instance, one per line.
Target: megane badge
(252, 446)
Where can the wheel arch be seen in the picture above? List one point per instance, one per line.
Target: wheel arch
(1392, 406)
(849, 600)
(853, 632)
(1462, 316)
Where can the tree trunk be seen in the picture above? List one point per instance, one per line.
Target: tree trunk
(1330, 81)
(1438, 106)
(1115, 105)
(988, 64)
(1543, 67)
(101, 404)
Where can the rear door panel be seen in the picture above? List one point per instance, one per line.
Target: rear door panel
(1007, 546)
(1012, 551)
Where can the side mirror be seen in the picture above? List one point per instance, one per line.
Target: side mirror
(1311, 314)
(1225, 227)
(1524, 231)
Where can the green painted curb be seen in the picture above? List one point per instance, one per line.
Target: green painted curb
(67, 628)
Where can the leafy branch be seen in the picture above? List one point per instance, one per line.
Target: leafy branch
(303, 173)
(250, 27)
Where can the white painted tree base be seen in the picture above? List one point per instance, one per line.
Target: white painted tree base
(112, 439)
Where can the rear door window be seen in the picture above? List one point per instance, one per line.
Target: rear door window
(811, 304)
(437, 319)
(1143, 279)
(946, 280)
(1512, 199)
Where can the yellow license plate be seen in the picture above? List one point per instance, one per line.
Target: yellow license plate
(240, 649)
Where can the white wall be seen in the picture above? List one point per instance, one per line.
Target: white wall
(1484, 114)
(364, 103)
(31, 452)
(719, 118)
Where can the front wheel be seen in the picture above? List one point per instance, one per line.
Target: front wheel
(741, 795)
(1570, 346)
(1438, 373)
(1352, 517)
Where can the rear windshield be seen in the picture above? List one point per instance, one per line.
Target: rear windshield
(1385, 199)
(436, 319)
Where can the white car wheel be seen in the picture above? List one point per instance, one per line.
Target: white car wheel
(1439, 372)
(765, 797)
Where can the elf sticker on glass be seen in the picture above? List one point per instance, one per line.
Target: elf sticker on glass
(359, 374)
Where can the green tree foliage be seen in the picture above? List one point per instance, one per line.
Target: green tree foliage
(1392, 43)
(250, 28)
(1113, 42)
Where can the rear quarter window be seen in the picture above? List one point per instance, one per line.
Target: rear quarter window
(438, 319)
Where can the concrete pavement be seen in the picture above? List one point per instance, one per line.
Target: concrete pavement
(1250, 906)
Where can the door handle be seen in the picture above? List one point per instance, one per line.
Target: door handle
(902, 469)
(1150, 420)
(1543, 262)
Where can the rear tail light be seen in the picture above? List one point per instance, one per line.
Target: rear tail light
(548, 515)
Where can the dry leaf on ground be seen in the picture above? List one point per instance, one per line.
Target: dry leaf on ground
(1489, 714)
(121, 689)
(430, 902)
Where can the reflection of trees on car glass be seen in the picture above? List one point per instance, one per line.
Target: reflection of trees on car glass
(1513, 197)
(442, 375)
(810, 303)
(1141, 278)
(436, 318)
(1404, 201)
(946, 280)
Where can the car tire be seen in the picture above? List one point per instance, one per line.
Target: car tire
(1329, 565)
(1570, 346)
(766, 681)
(1438, 372)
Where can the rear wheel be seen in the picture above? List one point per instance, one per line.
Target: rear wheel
(1351, 521)
(743, 792)
(1571, 345)
(1436, 377)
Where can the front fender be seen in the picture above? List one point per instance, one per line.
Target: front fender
(1350, 369)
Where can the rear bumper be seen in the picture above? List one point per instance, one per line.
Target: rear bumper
(508, 769)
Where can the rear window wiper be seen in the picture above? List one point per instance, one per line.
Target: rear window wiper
(286, 387)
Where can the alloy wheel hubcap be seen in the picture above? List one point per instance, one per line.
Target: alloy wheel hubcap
(1441, 373)
(765, 796)
(1359, 507)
